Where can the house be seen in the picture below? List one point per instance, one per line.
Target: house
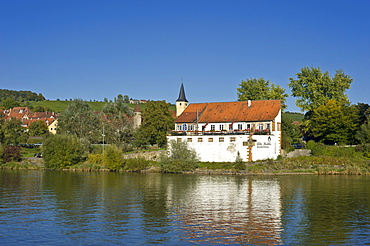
(26, 116)
(219, 132)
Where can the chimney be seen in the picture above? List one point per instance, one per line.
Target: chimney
(249, 103)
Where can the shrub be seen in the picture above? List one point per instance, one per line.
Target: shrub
(239, 164)
(11, 153)
(96, 159)
(61, 151)
(181, 158)
(113, 158)
(136, 164)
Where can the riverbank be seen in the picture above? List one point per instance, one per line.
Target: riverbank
(322, 165)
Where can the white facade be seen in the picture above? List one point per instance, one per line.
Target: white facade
(225, 148)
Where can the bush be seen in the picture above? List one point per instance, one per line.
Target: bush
(136, 164)
(11, 153)
(239, 165)
(113, 158)
(181, 158)
(96, 159)
(62, 151)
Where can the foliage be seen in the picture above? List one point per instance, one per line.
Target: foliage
(181, 158)
(20, 96)
(363, 135)
(61, 151)
(11, 153)
(13, 132)
(136, 164)
(39, 108)
(113, 158)
(9, 103)
(118, 124)
(315, 88)
(96, 159)
(79, 120)
(38, 128)
(291, 133)
(158, 121)
(363, 111)
(319, 149)
(333, 123)
(239, 165)
(260, 89)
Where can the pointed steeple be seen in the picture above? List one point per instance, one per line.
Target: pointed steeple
(182, 97)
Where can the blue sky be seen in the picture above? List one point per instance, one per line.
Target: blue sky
(98, 49)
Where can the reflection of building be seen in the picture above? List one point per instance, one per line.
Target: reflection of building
(219, 131)
(230, 212)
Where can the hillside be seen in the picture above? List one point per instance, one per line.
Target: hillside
(295, 116)
(60, 106)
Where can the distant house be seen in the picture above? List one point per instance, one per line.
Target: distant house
(219, 131)
(26, 116)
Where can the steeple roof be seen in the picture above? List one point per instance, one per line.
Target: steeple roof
(182, 97)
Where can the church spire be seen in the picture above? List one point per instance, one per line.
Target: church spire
(182, 97)
(181, 102)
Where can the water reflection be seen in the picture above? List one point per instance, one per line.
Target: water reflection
(224, 210)
(64, 208)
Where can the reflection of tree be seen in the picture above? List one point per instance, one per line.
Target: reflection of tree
(326, 210)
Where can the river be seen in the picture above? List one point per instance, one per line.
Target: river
(107, 208)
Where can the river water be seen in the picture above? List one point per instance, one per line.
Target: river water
(106, 208)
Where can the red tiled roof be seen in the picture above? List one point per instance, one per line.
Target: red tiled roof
(263, 110)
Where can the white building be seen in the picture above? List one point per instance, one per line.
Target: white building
(219, 131)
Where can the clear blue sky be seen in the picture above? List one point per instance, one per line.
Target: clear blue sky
(98, 49)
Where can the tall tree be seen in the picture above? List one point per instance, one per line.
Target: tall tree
(119, 124)
(260, 89)
(14, 132)
(333, 123)
(79, 120)
(158, 121)
(314, 88)
(38, 128)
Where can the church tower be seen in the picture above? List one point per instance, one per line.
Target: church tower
(181, 102)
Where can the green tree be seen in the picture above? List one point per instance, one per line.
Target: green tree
(126, 99)
(79, 120)
(158, 121)
(260, 89)
(363, 136)
(14, 132)
(9, 103)
(62, 151)
(113, 158)
(333, 123)
(291, 133)
(181, 158)
(315, 88)
(38, 128)
(118, 124)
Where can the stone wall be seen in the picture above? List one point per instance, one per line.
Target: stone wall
(298, 152)
(149, 155)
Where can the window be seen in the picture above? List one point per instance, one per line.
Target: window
(221, 139)
(240, 127)
(210, 139)
(245, 143)
(178, 140)
(190, 140)
(185, 127)
(260, 126)
(268, 126)
(231, 127)
(178, 127)
(213, 127)
(191, 127)
(221, 127)
(232, 139)
(200, 139)
(248, 126)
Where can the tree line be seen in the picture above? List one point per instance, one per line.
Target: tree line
(329, 117)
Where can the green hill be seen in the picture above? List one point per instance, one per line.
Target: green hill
(295, 116)
(60, 106)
